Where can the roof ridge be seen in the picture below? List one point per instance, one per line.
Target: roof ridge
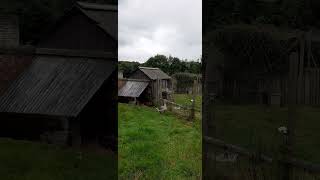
(151, 68)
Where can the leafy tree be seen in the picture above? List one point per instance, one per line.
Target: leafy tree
(158, 61)
(299, 14)
(176, 65)
(170, 65)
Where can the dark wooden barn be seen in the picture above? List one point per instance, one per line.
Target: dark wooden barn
(61, 92)
(147, 85)
(65, 89)
(87, 26)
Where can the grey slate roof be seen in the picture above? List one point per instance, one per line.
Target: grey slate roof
(56, 85)
(106, 16)
(154, 73)
(132, 89)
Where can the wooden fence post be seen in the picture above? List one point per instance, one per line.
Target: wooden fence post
(75, 132)
(209, 130)
(192, 110)
(289, 143)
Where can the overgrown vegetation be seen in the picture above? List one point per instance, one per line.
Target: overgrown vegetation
(299, 14)
(157, 146)
(184, 81)
(20, 160)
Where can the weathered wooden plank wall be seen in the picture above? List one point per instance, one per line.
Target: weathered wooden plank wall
(308, 88)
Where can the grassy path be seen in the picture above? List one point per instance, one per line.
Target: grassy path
(157, 146)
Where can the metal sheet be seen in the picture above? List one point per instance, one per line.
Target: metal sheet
(55, 85)
(132, 89)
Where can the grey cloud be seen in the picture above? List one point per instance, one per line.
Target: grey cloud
(169, 27)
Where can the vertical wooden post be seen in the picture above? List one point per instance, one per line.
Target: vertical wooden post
(192, 110)
(209, 130)
(135, 101)
(75, 134)
(158, 89)
(308, 39)
(289, 143)
(301, 69)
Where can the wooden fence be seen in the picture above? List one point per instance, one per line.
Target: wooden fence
(308, 88)
(298, 88)
(195, 87)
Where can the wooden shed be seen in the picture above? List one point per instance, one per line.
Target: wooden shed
(87, 26)
(150, 84)
(62, 95)
(66, 90)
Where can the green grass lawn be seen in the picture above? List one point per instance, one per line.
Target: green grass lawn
(20, 160)
(185, 100)
(256, 128)
(157, 146)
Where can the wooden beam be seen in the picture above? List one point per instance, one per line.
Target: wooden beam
(138, 80)
(237, 149)
(76, 53)
(20, 50)
(31, 50)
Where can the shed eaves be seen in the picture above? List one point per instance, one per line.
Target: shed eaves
(54, 85)
(132, 89)
(154, 73)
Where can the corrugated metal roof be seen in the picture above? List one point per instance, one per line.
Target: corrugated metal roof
(105, 15)
(55, 85)
(154, 73)
(132, 89)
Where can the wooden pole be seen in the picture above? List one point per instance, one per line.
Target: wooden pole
(289, 141)
(192, 111)
(209, 130)
(75, 132)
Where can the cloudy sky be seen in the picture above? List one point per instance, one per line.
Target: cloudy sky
(169, 27)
